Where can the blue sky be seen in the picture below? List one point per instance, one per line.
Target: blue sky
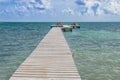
(60, 10)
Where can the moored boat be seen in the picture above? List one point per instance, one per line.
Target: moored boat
(75, 25)
(66, 28)
(58, 24)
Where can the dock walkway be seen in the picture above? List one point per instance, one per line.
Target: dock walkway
(51, 60)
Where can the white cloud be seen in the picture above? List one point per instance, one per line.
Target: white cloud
(90, 3)
(89, 12)
(33, 1)
(21, 8)
(27, 6)
(83, 7)
(47, 4)
(40, 6)
(32, 7)
(100, 12)
(105, 7)
(68, 10)
(113, 6)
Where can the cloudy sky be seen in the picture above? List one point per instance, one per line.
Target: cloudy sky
(60, 10)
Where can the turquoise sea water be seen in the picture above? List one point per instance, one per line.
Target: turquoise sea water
(17, 41)
(96, 47)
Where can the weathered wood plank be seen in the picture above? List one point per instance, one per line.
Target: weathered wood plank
(51, 60)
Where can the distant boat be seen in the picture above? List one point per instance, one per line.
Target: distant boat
(75, 25)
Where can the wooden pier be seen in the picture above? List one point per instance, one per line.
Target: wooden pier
(51, 60)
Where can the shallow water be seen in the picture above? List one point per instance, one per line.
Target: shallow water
(17, 41)
(97, 50)
(96, 47)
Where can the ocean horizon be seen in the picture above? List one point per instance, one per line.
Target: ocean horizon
(96, 46)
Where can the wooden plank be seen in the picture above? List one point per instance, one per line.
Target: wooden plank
(50, 60)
